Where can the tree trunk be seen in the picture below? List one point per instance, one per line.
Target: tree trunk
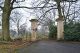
(18, 27)
(59, 10)
(5, 20)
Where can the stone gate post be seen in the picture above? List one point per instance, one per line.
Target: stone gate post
(60, 29)
(33, 28)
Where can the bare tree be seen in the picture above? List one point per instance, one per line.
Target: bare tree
(5, 21)
(44, 8)
(16, 18)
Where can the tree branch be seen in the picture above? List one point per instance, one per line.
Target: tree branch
(46, 12)
(32, 7)
(1, 7)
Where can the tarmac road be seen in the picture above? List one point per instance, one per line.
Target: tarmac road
(51, 47)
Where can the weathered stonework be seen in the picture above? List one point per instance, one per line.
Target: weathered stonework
(60, 29)
(33, 29)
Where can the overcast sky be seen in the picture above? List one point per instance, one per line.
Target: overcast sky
(26, 12)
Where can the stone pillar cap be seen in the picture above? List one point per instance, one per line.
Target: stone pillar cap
(33, 18)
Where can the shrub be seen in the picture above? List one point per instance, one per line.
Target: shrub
(52, 31)
(72, 32)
